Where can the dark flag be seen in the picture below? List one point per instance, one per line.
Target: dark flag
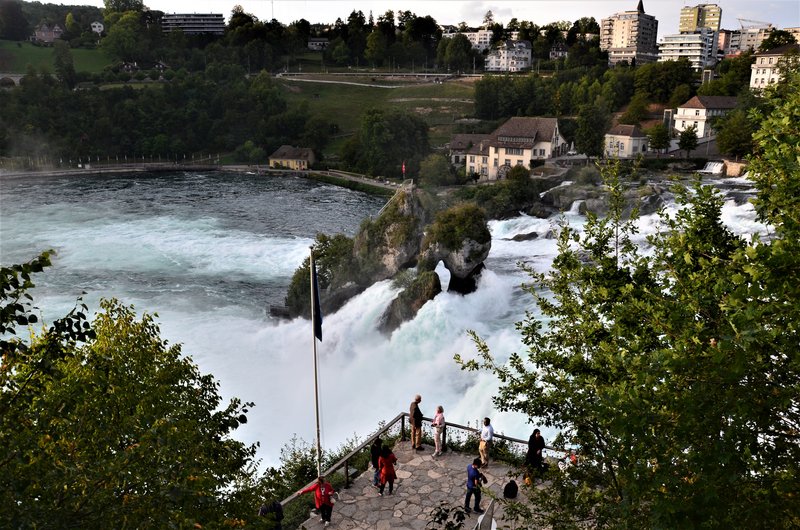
(316, 312)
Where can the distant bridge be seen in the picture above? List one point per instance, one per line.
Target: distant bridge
(13, 77)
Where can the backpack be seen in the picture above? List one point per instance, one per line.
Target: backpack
(510, 490)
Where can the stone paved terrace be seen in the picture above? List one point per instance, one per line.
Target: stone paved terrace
(422, 482)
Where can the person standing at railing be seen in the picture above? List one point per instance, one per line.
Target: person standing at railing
(487, 437)
(375, 454)
(416, 424)
(534, 459)
(323, 498)
(438, 429)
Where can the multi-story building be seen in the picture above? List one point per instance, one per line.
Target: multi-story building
(699, 47)
(698, 111)
(509, 56)
(194, 24)
(700, 16)
(766, 69)
(520, 141)
(748, 38)
(630, 36)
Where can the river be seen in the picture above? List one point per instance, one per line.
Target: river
(209, 252)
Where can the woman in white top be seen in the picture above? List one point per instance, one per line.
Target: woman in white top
(438, 428)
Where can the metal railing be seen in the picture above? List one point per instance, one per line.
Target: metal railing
(345, 462)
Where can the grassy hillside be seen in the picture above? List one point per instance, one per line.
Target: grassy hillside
(15, 58)
(438, 104)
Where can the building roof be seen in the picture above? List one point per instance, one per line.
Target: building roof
(710, 102)
(288, 152)
(524, 132)
(462, 142)
(780, 50)
(627, 130)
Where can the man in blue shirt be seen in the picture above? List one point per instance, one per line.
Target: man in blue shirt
(474, 478)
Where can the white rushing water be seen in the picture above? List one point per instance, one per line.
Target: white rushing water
(207, 267)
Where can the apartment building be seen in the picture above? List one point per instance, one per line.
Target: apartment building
(194, 24)
(699, 47)
(630, 36)
(700, 16)
(509, 56)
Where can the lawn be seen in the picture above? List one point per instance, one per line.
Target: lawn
(438, 104)
(16, 56)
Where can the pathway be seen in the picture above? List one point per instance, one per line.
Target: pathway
(423, 482)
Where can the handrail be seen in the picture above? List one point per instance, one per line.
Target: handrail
(344, 461)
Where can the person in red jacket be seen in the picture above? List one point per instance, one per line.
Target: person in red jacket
(386, 464)
(323, 498)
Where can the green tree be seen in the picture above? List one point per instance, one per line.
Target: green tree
(658, 136)
(120, 6)
(637, 110)
(376, 48)
(776, 38)
(593, 122)
(458, 54)
(687, 140)
(735, 133)
(64, 66)
(106, 422)
(13, 24)
(675, 372)
(435, 170)
(123, 40)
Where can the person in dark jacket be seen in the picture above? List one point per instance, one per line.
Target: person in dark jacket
(375, 454)
(416, 424)
(274, 511)
(534, 459)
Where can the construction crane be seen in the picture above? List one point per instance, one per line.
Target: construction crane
(753, 23)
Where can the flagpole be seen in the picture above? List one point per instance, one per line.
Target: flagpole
(316, 371)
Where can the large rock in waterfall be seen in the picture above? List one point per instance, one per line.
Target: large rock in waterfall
(410, 300)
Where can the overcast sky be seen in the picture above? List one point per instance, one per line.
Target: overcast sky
(781, 13)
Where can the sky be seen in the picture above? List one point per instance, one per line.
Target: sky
(781, 13)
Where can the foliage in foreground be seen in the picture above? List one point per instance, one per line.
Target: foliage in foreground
(675, 372)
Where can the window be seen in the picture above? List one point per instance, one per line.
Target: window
(635, 148)
(541, 152)
(770, 60)
(683, 124)
(484, 160)
(472, 169)
(513, 151)
(495, 162)
(508, 162)
(519, 162)
(697, 112)
(472, 159)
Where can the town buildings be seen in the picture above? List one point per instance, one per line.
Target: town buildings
(697, 39)
(767, 67)
(520, 141)
(630, 36)
(700, 16)
(509, 56)
(194, 24)
(47, 33)
(290, 157)
(699, 111)
(625, 141)
(698, 46)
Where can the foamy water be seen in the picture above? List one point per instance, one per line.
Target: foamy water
(209, 252)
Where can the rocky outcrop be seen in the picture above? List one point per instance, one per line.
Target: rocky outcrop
(405, 307)
(590, 198)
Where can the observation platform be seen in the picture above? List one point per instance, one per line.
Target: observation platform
(423, 481)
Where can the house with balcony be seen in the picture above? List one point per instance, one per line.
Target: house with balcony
(698, 113)
(290, 157)
(625, 141)
(509, 56)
